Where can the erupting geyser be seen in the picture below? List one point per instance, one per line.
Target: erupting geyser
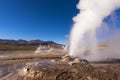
(83, 41)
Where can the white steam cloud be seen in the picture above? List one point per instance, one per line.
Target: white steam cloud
(83, 41)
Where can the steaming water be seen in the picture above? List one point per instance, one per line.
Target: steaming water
(41, 49)
(2, 57)
(83, 42)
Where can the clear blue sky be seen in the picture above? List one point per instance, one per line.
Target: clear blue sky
(38, 19)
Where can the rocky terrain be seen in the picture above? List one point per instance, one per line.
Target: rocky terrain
(20, 63)
(64, 68)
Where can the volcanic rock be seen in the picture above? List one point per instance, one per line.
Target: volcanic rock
(66, 58)
(73, 61)
(53, 69)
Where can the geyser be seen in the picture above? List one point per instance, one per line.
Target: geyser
(83, 42)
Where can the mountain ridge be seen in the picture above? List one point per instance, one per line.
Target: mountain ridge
(30, 42)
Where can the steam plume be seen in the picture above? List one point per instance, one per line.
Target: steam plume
(83, 41)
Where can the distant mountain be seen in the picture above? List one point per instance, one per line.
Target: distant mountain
(25, 42)
(50, 42)
(36, 41)
(20, 41)
(6, 41)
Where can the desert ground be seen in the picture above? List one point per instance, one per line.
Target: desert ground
(26, 65)
(13, 60)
